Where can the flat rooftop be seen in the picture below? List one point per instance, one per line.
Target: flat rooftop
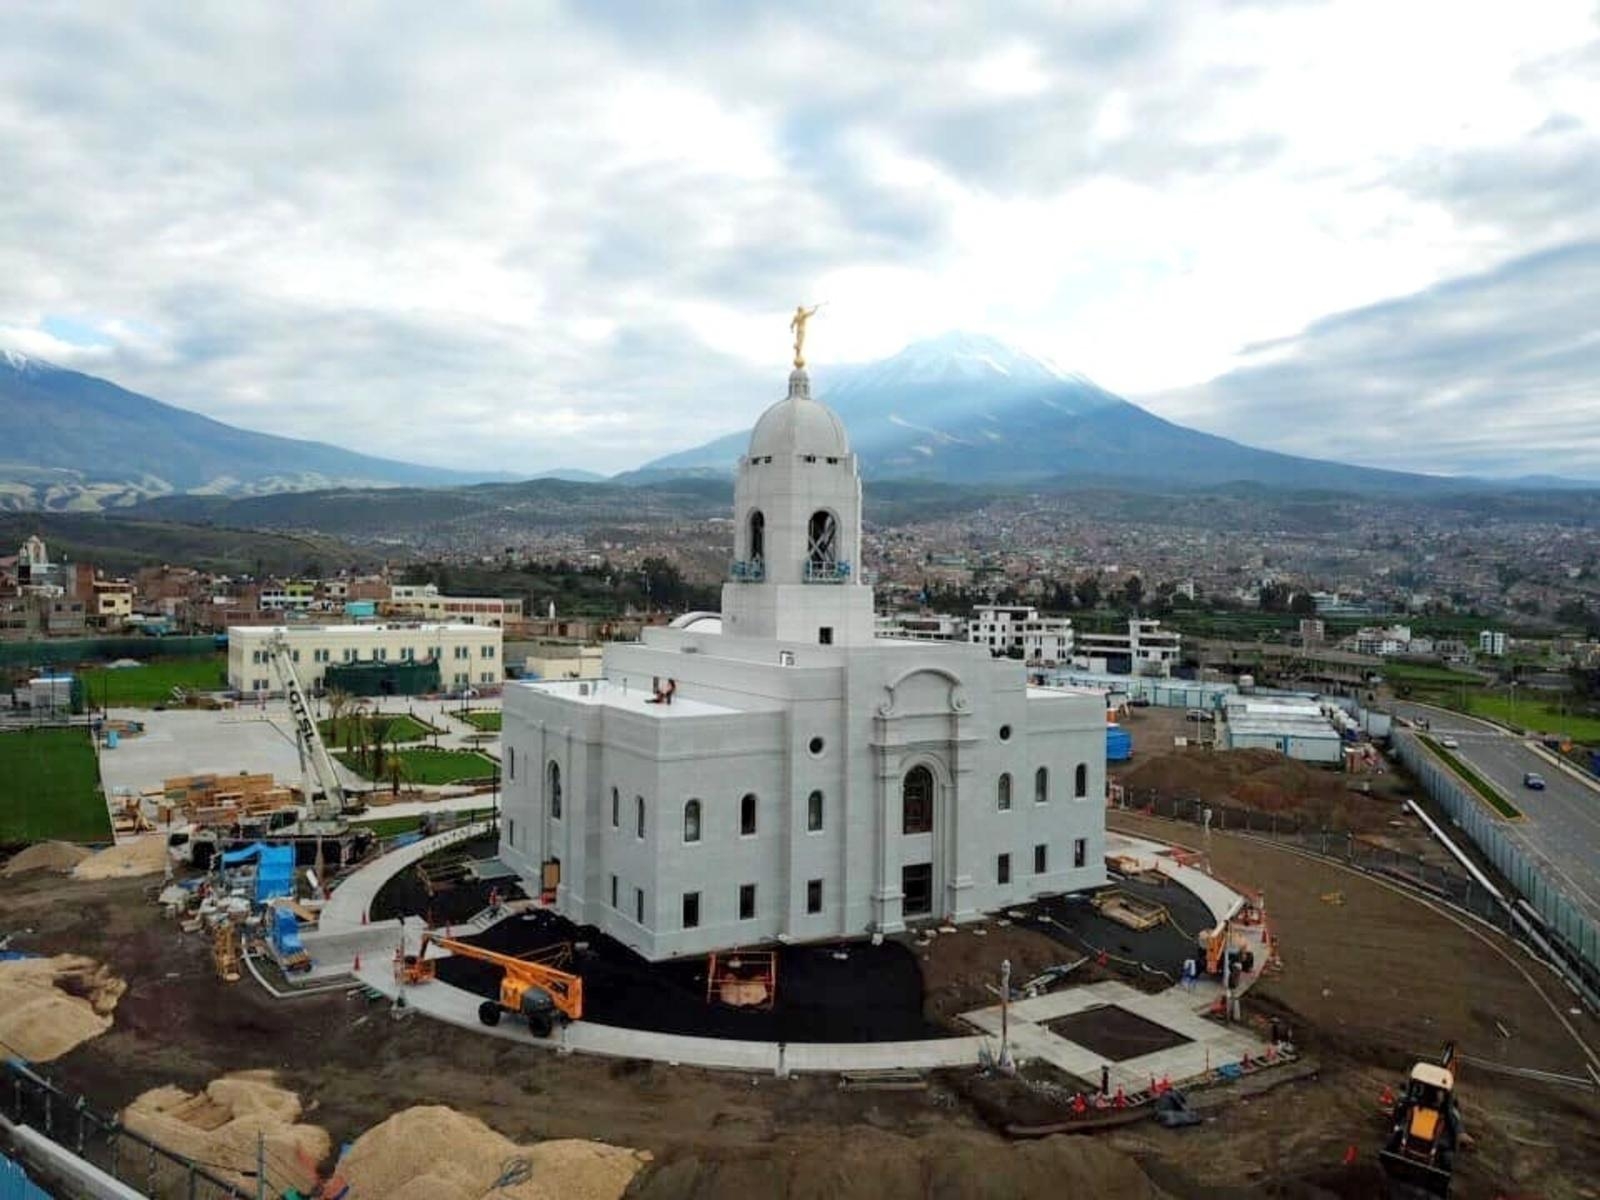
(604, 693)
(351, 629)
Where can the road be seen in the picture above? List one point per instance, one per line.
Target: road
(1562, 829)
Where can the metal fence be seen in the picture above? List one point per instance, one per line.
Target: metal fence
(28, 1098)
(1574, 936)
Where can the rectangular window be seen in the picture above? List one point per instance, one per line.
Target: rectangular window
(916, 884)
(294, 655)
(1080, 851)
(511, 830)
(747, 901)
(381, 654)
(638, 905)
(691, 910)
(1041, 859)
(486, 651)
(1002, 869)
(825, 636)
(613, 891)
(814, 895)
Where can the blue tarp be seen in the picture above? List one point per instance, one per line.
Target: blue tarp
(286, 932)
(1119, 744)
(232, 858)
(274, 875)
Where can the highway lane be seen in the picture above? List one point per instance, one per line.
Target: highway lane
(1562, 825)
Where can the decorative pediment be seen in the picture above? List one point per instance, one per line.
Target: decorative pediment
(922, 692)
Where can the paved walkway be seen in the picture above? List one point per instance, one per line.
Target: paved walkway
(351, 901)
(1210, 1043)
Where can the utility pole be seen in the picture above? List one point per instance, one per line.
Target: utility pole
(1005, 1015)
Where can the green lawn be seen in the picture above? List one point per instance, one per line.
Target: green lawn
(50, 787)
(433, 766)
(387, 727)
(486, 719)
(1494, 799)
(390, 826)
(1528, 713)
(152, 683)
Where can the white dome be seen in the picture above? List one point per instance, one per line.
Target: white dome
(799, 425)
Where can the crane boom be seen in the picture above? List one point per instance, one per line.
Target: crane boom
(318, 762)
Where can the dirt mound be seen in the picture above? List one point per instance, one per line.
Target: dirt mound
(220, 1127)
(46, 856)
(437, 1153)
(1262, 780)
(50, 1005)
(144, 856)
(871, 1165)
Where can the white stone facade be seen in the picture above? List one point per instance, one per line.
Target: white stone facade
(781, 772)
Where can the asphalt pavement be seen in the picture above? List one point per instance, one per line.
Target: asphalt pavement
(1561, 828)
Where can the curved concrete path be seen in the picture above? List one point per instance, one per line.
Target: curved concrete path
(353, 898)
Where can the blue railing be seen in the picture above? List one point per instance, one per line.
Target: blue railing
(827, 572)
(752, 570)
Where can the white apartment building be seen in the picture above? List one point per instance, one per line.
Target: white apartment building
(1003, 629)
(468, 655)
(1380, 640)
(777, 772)
(922, 627)
(1491, 641)
(1146, 647)
(423, 602)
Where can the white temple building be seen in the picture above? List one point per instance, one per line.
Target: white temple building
(779, 772)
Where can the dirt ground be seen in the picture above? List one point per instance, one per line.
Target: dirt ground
(1366, 985)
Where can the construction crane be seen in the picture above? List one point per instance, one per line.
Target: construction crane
(540, 992)
(1419, 1154)
(325, 798)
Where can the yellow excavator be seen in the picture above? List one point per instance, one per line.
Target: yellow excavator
(538, 991)
(1419, 1154)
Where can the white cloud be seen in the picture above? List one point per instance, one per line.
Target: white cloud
(517, 238)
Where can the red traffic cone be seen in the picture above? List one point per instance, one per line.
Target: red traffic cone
(1351, 1154)
(356, 966)
(1386, 1099)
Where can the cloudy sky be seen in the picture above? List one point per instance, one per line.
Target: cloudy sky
(526, 236)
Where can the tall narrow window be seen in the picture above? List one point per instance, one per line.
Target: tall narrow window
(1080, 851)
(1003, 793)
(555, 790)
(822, 540)
(638, 816)
(1080, 781)
(758, 536)
(916, 801)
(511, 762)
(747, 814)
(613, 891)
(616, 809)
(747, 901)
(1002, 869)
(814, 812)
(691, 821)
(638, 905)
(813, 895)
(1041, 859)
(1041, 785)
(691, 910)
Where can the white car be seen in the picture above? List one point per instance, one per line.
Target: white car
(1449, 743)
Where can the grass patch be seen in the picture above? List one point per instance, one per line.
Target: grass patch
(381, 727)
(431, 766)
(1493, 798)
(486, 720)
(142, 687)
(393, 826)
(50, 787)
(1534, 714)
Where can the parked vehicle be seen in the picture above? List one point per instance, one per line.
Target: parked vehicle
(1449, 743)
(1533, 780)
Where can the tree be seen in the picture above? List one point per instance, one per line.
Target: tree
(1132, 592)
(1273, 597)
(1301, 604)
(1088, 589)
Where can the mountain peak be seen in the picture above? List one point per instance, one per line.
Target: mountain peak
(958, 356)
(18, 361)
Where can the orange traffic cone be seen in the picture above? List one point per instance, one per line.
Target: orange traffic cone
(1386, 1099)
(356, 966)
(1351, 1154)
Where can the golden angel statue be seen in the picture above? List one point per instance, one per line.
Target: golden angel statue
(802, 314)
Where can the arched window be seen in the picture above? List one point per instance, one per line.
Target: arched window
(1080, 781)
(1003, 793)
(691, 821)
(916, 801)
(555, 789)
(747, 814)
(814, 812)
(638, 816)
(758, 536)
(822, 539)
(1041, 785)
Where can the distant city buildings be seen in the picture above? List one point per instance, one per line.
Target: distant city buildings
(1492, 641)
(1018, 631)
(424, 602)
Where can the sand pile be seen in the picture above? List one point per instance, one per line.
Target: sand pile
(437, 1153)
(46, 856)
(219, 1126)
(49, 1005)
(143, 856)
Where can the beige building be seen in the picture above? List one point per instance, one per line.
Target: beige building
(564, 662)
(468, 655)
(423, 602)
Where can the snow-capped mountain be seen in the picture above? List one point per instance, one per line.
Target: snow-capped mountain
(966, 408)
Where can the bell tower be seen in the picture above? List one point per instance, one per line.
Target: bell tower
(796, 573)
